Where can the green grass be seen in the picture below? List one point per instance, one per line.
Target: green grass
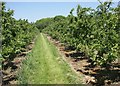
(44, 65)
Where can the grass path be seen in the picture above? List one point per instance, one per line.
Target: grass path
(44, 65)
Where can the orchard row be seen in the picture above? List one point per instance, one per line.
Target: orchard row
(96, 32)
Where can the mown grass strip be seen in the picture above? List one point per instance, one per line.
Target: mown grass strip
(44, 65)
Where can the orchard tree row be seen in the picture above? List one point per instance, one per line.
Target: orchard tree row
(96, 32)
(16, 34)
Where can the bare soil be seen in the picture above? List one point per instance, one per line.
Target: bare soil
(82, 65)
(10, 68)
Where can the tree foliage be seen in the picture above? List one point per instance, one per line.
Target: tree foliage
(96, 32)
(16, 34)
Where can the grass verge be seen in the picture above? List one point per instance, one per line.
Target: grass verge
(44, 65)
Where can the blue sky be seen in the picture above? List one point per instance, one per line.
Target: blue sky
(37, 10)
